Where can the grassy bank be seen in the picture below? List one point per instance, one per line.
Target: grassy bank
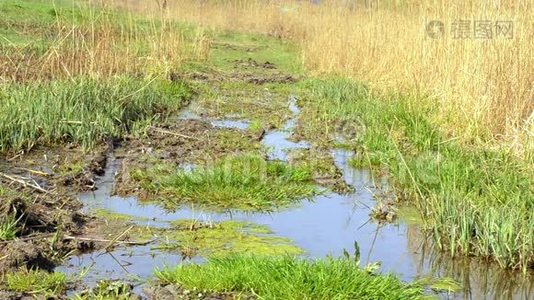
(75, 73)
(474, 201)
(83, 111)
(48, 40)
(288, 278)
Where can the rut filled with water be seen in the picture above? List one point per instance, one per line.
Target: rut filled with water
(327, 225)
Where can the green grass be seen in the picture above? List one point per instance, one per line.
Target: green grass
(247, 183)
(108, 290)
(474, 201)
(25, 22)
(8, 228)
(36, 22)
(288, 278)
(83, 111)
(35, 283)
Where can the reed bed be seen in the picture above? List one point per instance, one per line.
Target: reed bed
(483, 87)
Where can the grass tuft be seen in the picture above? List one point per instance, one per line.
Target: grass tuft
(36, 283)
(288, 278)
(247, 183)
(9, 228)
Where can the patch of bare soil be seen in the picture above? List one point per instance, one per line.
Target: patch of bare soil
(235, 47)
(251, 63)
(245, 70)
(171, 292)
(38, 196)
(253, 77)
(264, 79)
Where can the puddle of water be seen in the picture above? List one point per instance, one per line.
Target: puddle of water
(278, 144)
(325, 226)
(235, 124)
(189, 114)
(134, 264)
(278, 141)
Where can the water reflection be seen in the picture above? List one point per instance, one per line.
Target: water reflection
(479, 279)
(326, 225)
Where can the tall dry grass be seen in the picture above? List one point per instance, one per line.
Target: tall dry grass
(481, 89)
(97, 41)
(87, 74)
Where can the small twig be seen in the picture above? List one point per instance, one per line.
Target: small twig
(118, 262)
(35, 172)
(115, 239)
(24, 183)
(174, 133)
(79, 238)
(15, 157)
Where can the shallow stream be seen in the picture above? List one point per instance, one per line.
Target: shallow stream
(327, 225)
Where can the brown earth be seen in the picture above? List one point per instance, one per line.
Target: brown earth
(39, 191)
(171, 292)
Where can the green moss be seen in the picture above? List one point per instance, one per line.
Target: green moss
(220, 239)
(444, 284)
(38, 283)
(288, 278)
(113, 216)
(248, 183)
